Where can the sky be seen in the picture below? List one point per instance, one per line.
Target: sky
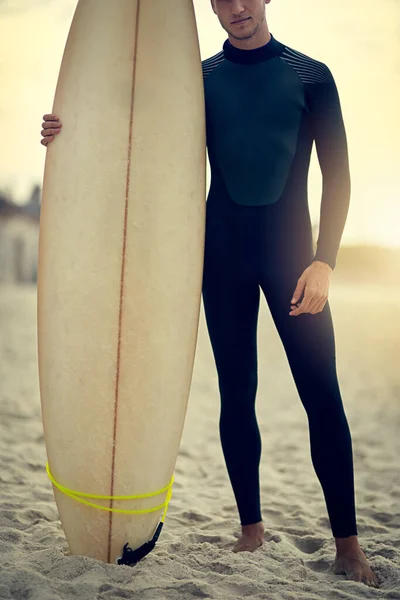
(358, 39)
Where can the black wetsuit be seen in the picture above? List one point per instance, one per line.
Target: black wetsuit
(264, 109)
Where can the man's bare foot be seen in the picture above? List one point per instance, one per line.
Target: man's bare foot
(252, 538)
(351, 561)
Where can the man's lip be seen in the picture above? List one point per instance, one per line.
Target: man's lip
(240, 20)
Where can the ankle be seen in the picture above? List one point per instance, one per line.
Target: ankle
(346, 542)
(253, 528)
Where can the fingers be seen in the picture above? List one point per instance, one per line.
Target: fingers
(48, 136)
(51, 127)
(320, 305)
(51, 121)
(50, 130)
(299, 289)
(302, 308)
(313, 302)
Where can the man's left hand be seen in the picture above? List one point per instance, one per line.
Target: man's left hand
(314, 281)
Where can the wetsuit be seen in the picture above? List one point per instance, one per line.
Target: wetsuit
(264, 109)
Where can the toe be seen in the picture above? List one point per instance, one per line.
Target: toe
(374, 581)
(354, 576)
(371, 580)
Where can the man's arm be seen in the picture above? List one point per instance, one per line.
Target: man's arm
(332, 152)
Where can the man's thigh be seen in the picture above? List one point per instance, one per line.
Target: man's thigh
(231, 297)
(308, 340)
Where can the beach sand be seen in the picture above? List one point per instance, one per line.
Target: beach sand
(193, 557)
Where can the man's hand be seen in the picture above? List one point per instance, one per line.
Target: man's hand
(51, 127)
(314, 281)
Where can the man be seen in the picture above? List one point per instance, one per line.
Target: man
(265, 105)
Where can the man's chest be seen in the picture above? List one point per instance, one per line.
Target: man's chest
(246, 98)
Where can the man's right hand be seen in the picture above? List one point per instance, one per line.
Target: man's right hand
(51, 126)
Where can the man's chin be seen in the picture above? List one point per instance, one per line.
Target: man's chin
(241, 37)
(245, 36)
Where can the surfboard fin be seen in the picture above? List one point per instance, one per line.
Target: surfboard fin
(131, 557)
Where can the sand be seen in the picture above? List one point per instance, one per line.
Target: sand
(193, 557)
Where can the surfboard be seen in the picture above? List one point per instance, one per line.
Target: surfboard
(121, 250)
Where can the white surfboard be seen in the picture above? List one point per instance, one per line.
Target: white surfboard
(120, 266)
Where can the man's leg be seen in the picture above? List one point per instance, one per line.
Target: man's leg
(310, 349)
(231, 302)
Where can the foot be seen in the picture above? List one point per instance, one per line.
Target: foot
(252, 538)
(351, 561)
